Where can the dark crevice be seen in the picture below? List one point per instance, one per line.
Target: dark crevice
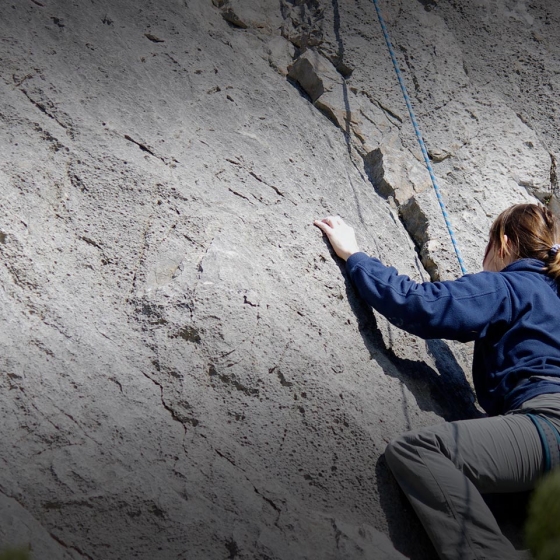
(232, 548)
(553, 174)
(240, 196)
(153, 38)
(41, 106)
(268, 501)
(143, 147)
(223, 456)
(91, 242)
(70, 547)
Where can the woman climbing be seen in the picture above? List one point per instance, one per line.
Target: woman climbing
(512, 312)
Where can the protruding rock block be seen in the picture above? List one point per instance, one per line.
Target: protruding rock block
(336, 106)
(328, 91)
(395, 173)
(280, 54)
(315, 74)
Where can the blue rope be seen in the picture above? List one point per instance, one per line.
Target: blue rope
(419, 137)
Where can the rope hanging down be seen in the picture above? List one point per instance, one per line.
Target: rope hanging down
(419, 137)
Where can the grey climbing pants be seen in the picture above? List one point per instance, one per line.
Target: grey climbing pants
(444, 469)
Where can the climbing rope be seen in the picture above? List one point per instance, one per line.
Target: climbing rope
(419, 137)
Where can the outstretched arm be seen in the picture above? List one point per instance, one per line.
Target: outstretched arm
(459, 309)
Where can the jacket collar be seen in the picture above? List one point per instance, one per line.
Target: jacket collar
(526, 265)
(533, 265)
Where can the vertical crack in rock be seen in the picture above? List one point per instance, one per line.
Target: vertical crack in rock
(395, 174)
(553, 201)
(176, 417)
(338, 58)
(337, 533)
(553, 174)
(416, 223)
(401, 179)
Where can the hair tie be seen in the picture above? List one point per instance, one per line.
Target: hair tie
(554, 249)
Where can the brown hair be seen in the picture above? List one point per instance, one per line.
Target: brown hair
(532, 231)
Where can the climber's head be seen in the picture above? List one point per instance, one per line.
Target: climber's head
(524, 231)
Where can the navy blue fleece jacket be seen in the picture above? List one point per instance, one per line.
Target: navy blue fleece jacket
(513, 316)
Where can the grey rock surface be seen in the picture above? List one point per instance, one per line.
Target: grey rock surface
(186, 371)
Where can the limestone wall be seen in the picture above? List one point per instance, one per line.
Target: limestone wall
(185, 370)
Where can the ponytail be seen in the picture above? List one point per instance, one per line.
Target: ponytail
(533, 232)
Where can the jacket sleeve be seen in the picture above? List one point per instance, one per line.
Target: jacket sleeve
(457, 310)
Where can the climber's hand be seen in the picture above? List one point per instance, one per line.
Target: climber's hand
(340, 234)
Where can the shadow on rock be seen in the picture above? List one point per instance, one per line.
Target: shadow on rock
(409, 537)
(445, 392)
(405, 530)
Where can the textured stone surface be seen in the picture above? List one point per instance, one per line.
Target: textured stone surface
(185, 370)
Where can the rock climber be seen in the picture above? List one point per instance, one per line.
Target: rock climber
(511, 310)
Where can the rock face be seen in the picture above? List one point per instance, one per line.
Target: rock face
(186, 371)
